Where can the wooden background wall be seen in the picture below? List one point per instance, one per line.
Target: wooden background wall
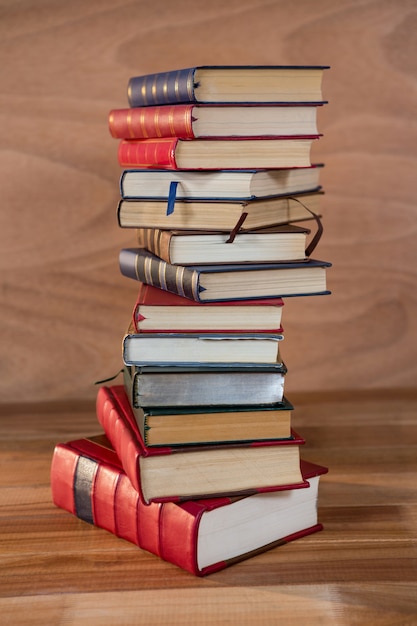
(64, 65)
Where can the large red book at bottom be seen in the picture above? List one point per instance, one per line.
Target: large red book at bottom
(176, 473)
(199, 536)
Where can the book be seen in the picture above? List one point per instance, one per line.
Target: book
(173, 153)
(183, 386)
(193, 121)
(198, 348)
(175, 473)
(156, 310)
(216, 214)
(210, 283)
(190, 247)
(199, 536)
(228, 83)
(223, 185)
(194, 425)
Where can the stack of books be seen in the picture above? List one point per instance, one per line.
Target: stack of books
(198, 461)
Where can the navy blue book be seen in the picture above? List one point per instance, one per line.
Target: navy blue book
(229, 83)
(216, 283)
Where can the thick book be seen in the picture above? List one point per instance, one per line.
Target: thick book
(228, 83)
(156, 310)
(219, 184)
(222, 215)
(227, 384)
(193, 121)
(211, 283)
(173, 153)
(199, 536)
(198, 247)
(176, 473)
(250, 349)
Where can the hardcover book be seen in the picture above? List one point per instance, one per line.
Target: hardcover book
(156, 310)
(250, 349)
(199, 536)
(216, 214)
(194, 425)
(176, 473)
(205, 385)
(173, 153)
(193, 121)
(228, 83)
(211, 283)
(218, 184)
(189, 247)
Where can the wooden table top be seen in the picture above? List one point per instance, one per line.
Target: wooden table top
(362, 569)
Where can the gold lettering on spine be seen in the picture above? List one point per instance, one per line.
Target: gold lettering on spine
(188, 124)
(179, 280)
(165, 87)
(177, 86)
(171, 121)
(194, 286)
(153, 90)
(147, 269)
(190, 85)
(130, 129)
(142, 124)
(162, 269)
(144, 92)
(156, 122)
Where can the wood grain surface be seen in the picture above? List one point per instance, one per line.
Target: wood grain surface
(360, 570)
(65, 306)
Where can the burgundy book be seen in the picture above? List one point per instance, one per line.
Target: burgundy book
(176, 473)
(200, 536)
(157, 310)
(215, 154)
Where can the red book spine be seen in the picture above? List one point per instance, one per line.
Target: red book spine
(153, 121)
(63, 468)
(148, 153)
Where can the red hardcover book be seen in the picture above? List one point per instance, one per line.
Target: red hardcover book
(228, 153)
(200, 536)
(157, 310)
(192, 121)
(176, 473)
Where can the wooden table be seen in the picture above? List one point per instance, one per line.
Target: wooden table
(362, 569)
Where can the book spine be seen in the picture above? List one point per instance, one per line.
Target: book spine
(148, 153)
(161, 88)
(103, 496)
(120, 435)
(149, 122)
(156, 241)
(153, 271)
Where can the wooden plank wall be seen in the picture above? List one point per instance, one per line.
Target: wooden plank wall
(65, 307)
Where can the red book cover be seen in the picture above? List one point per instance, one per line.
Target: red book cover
(153, 121)
(87, 480)
(175, 153)
(178, 473)
(150, 296)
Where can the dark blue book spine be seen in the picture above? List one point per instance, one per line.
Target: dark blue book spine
(172, 87)
(153, 271)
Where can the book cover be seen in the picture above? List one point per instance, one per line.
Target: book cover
(175, 473)
(236, 185)
(88, 481)
(193, 121)
(156, 310)
(211, 283)
(205, 385)
(228, 83)
(173, 153)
